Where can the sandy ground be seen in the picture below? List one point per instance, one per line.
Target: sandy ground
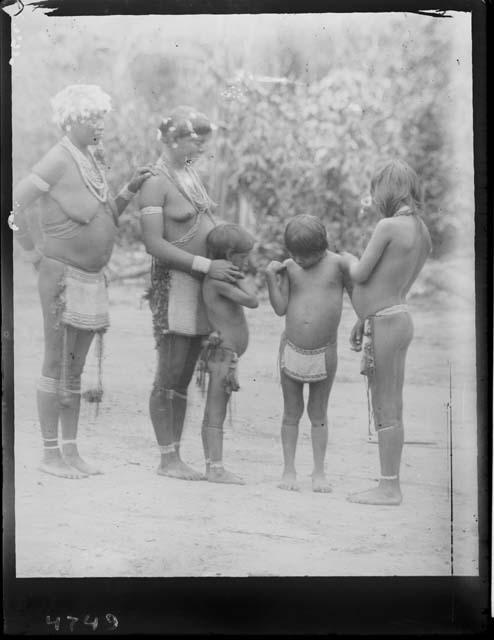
(132, 522)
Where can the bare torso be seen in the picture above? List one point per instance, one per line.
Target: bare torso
(396, 270)
(315, 302)
(179, 217)
(226, 317)
(91, 245)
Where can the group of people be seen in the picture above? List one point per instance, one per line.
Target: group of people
(198, 291)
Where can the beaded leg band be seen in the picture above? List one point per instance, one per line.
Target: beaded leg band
(50, 443)
(48, 385)
(388, 477)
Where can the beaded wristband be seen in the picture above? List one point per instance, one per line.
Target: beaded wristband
(199, 263)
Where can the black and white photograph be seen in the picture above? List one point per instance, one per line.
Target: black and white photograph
(244, 295)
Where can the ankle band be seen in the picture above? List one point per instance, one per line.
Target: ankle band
(50, 443)
(216, 465)
(389, 477)
(166, 448)
(73, 441)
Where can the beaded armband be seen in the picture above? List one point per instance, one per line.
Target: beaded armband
(148, 211)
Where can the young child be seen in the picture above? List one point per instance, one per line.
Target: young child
(308, 289)
(227, 342)
(383, 277)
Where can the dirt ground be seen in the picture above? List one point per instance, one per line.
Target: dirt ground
(132, 522)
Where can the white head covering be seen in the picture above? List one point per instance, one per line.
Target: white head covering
(79, 101)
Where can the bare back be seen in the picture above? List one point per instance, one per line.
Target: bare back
(226, 316)
(404, 244)
(314, 302)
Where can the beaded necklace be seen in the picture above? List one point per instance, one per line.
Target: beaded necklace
(189, 184)
(91, 172)
(404, 211)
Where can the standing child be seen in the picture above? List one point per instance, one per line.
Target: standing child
(383, 276)
(308, 289)
(227, 342)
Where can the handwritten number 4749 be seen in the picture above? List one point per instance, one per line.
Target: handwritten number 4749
(111, 620)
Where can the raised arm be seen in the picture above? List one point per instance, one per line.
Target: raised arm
(361, 270)
(45, 175)
(129, 190)
(241, 293)
(278, 286)
(345, 261)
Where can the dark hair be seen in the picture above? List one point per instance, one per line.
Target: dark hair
(228, 237)
(395, 184)
(183, 122)
(305, 235)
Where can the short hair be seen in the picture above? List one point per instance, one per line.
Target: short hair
(183, 122)
(305, 235)
(228, 237)
(79, 101)
(394, 184)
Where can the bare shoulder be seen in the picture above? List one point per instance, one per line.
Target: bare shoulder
(153, 191)
(52, 165)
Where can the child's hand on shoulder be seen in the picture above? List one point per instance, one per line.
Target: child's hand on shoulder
(275, 267)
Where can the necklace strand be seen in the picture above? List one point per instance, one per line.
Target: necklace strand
(91, 172)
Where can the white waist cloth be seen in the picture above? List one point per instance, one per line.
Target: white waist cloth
(390, 311)
(304, 365)
(85, 299)
(186, 313)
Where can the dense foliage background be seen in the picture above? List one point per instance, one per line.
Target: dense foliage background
(306, 107)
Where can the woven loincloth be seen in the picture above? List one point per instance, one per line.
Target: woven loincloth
(84, 299)
(368, 362)
(304, 365)
(176, 304)
(214, 352)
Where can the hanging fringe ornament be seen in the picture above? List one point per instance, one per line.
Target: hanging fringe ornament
(95, 394)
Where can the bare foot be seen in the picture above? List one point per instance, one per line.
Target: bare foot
(58, 467)
(289, 481)
(320, 483)
(219, 474)
(75, 460)
(178, 469)
(383, 494)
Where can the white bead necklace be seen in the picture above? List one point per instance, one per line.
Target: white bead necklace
(92, 174)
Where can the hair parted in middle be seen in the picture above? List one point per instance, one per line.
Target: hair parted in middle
(228, 237)
(184, 122)
(305, 235)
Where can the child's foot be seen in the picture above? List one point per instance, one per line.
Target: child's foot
(320, 483)
(75, 460)
(219, 474)
(178, 469)
(289, 481)
(384, 494)
(58, 467)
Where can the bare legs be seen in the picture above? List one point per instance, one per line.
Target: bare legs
(212, 425)
(392, 336)
(54, 403)
(177, 356)
(317, 407)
